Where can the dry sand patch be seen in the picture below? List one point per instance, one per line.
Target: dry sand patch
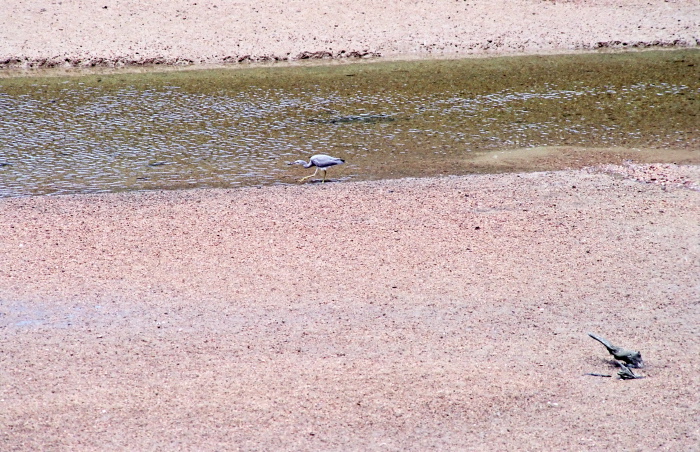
(407, 314)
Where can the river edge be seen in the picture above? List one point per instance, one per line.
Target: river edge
(148, 68)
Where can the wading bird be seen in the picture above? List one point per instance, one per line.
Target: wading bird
(321, 162)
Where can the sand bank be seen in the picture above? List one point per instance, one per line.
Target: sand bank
(176, 32)
(444, 313)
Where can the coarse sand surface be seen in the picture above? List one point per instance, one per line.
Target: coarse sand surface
(127, 32)
(413, 314)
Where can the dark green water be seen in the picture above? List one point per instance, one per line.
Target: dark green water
(236, 127)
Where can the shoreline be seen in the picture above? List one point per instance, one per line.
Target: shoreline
(79, 71)
(158, 64)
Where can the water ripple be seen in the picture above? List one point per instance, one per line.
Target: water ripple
(72, 136)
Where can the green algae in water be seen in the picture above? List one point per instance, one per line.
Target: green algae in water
(235, 127)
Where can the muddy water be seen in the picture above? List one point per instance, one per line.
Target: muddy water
(235, 127)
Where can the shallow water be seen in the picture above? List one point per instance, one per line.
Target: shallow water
(236, 127)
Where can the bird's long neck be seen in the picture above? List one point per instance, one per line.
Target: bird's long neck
(308, 165)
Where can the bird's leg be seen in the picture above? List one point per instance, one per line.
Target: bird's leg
(311, 175)
(324, 176)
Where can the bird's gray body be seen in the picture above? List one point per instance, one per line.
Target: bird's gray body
(631, 357)
(321, 162)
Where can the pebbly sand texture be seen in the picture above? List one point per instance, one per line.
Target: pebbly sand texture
(411, 314)
(118, 33)
(415, 314)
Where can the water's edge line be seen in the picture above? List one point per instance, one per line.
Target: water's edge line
(30, 69)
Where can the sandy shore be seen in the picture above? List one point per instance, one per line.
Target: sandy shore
(411, 314)
(127, 32)
(445, 313)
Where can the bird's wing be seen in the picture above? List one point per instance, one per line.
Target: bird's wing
(322, 160)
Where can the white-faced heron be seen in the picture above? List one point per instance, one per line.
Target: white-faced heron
(321, 162)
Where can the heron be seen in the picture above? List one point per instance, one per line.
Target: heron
(321, 162)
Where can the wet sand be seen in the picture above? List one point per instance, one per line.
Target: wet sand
(413, 314)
